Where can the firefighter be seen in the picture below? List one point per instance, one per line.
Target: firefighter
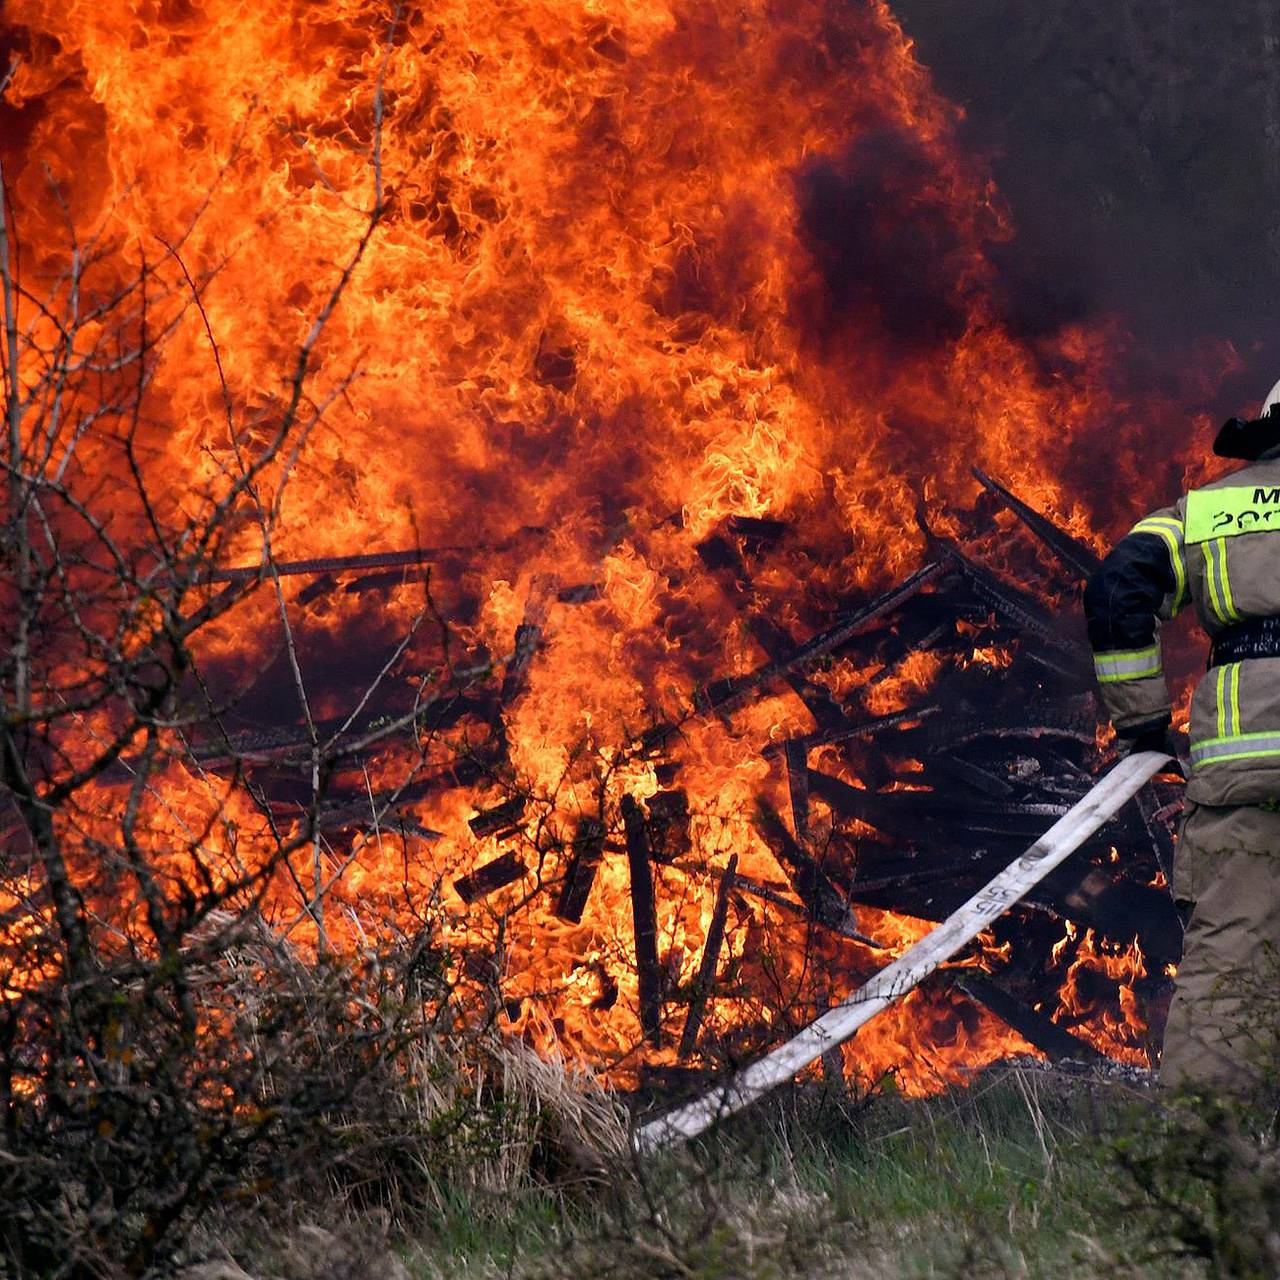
(1219, 549)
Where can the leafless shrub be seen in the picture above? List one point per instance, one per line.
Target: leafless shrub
(165, 1053)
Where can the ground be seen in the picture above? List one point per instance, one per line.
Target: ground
(1027, 1173)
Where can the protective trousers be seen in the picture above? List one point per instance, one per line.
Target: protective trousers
(1225, 1015)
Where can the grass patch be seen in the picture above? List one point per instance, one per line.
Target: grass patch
(1016, 1176)
(1027, 1173)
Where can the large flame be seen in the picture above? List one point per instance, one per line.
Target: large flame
(641, 267)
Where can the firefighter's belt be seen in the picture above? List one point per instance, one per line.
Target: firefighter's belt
(1252, 638)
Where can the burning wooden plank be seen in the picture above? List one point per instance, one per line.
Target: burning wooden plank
(1020, 610)
(863, 729)
(797, 758)
(645, 920)
(972, 775)
(707, 966)
(1056, 1042)
(839, 633)
(668, 825)
(331, 564)
(500, 818)
(722, 558)
(822, 900)
(1082, 560)
(418, 556)
(528, 637)
(588, 849)
(489, 878)
(757, 532)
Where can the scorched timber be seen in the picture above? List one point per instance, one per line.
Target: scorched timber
(502, 817)
(421, 556)
(1015, 606)
(489, 878)
(823, 902)
(862, 729)
(797, 758)
(1082, 560)
(724, 562)
(645, 920)
(588, 848)
(1055, 1042)
(710, 962)
(914, 965)
(840, 633)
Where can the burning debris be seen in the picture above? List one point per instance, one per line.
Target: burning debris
(623, 626)
(892, 820)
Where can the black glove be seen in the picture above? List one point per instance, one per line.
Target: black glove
(1156, 735)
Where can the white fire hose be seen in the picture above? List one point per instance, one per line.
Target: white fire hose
(915, 964)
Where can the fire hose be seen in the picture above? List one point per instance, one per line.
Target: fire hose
(915, 964)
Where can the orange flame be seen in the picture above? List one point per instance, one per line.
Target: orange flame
(597, 304)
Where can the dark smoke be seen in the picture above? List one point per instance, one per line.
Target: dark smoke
(1138, 147)
(881, 235)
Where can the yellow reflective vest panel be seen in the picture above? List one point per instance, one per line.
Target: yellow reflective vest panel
(1218, 548)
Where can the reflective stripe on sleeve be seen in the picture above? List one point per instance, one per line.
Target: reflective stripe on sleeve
(1169, 530)
(1127, 664)
(1239, 746)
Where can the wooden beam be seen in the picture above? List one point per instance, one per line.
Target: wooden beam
(706, 978)
(588, 848)
(644, 918)
(489, 878)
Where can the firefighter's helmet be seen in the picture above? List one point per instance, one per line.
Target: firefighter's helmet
(1251, 438)
(1273, 399)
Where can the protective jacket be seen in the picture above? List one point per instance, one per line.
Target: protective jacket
(1219, 549)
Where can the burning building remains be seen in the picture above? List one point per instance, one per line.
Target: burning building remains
(602, 511)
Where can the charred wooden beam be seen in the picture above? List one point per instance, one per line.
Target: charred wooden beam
(325, 583)
(347, 564)
(857, 802)
(1081, 559)
(1149, 807)
(645, 920)
(757, 531)
(1019, 609)
(588, 849)
(825, 710)
(386, 579)
(797, 758)
(863, 729)
(705, 981)
(668, 825)
(778, 898)
(291, 744)
(489, 878)
(499, 818)
(331, 564)
(1054, 1041)
(972, 775)
(875, 808)
(1039, 722)
(724, 561)
(528, 637)
(907, 646)
(730, 693)
(823, 901)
